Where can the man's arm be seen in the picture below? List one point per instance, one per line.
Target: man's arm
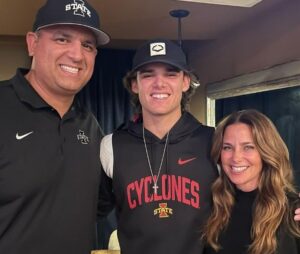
(106, 199)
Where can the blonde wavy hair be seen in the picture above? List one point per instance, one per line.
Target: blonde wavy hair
(271, 205)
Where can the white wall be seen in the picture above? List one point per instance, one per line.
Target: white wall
(13, 54)
(271, 39)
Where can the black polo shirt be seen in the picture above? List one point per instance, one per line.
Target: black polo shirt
(49, 174)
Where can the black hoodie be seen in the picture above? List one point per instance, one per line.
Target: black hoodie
(169, 221)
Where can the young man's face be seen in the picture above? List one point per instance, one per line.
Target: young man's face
(160, 87)
(63, 58)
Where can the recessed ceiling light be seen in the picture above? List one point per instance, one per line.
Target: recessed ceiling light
(240, 3)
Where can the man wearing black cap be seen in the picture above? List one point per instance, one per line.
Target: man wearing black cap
(159, 166)
(49, 171)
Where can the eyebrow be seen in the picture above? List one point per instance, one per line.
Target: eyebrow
(68, 36)
(243, 143)
(60, 32)
(64, 34)
(143, 70)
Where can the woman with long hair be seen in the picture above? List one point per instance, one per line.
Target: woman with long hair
(254, 198)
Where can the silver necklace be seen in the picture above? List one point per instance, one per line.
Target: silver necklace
(155, 187)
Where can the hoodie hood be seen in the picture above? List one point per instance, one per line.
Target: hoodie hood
(186, 125)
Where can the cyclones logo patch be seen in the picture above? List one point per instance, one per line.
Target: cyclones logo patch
(163, 211)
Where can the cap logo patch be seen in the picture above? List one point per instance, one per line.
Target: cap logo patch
(157, 49)
(79, 8)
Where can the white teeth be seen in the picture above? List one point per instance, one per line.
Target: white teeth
(70, 69)
(160, 96)
(238, 169)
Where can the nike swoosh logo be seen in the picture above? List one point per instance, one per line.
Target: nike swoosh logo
(19, 137)
(182, 162)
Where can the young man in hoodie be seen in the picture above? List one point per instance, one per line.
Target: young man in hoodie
(158, 166)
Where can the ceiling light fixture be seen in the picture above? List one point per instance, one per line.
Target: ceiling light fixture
(179, 14)
(239, 3)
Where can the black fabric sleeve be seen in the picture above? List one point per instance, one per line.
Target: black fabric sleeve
(106, 200)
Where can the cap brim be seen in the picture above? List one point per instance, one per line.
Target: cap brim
(181, 67)
(101, 37)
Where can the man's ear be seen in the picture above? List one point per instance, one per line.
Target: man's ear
(31, 39)
(186, 83)
(134, 86)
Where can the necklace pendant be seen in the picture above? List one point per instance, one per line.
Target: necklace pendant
(155, 178)
(155, 187)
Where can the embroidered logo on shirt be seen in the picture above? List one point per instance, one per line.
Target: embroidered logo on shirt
(182, 161)
(163, 211)
(19, 137)
(83, 138)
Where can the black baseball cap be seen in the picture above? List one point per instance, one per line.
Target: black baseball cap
(160, 51)
(70, 12)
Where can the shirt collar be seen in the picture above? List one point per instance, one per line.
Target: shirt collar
(25, 91)
(27, 94)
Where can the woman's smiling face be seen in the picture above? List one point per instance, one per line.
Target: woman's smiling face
(240, 158)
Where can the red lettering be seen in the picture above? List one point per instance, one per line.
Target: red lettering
(132, 203)
(147, 184)
(176, 188)
(171, 187)
(195, 200)
(156, 196)
(139, 187)
(185, 190)
(166, 187)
